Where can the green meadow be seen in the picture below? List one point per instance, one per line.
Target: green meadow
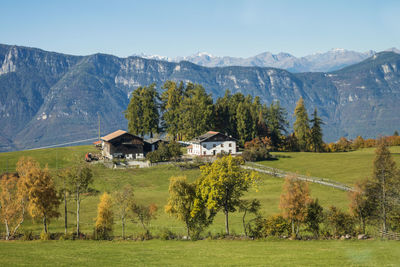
(151, 186)
(200, 253)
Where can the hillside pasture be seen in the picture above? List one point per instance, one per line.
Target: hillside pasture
(151, 185)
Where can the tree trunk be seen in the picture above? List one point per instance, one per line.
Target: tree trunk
(123, 227)
(187, 228)
(226, 222)
(45, 224)
(78, 206)
(383, 204)
(293, 233)
(244, 223)
(20, 222)
(65, 212)
(363, 225)
(7, 229)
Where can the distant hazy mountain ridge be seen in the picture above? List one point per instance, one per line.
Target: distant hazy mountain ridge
(48, 98)
(318, 62)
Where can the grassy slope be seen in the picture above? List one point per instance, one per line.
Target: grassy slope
(156, 252)
(345, 167)
(151, 185)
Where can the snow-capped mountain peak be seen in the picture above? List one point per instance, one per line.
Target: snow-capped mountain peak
(331, 60)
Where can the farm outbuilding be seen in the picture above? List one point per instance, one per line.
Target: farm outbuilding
(121, 144)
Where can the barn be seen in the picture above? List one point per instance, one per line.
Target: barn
(121, 144)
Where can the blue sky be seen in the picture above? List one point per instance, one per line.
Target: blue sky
(180, 28)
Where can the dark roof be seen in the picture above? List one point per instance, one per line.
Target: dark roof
(113, 135)
(154, 140)
(208, 135)
(116, 134)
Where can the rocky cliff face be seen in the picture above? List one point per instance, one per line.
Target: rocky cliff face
(48, 98)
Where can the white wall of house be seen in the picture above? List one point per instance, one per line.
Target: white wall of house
(213, 148)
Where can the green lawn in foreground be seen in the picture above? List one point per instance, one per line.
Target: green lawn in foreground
(345, 167)
(206, 252)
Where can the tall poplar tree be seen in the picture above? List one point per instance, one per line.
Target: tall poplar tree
(301, 126)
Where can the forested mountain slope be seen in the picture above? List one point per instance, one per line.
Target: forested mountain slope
(48, 98)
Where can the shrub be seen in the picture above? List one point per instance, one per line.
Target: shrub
(165, 152)
(276, 225)
(144, 236)
(167, 234)
(341, 223)
(44, 236)
(256, 227)
(28, 235)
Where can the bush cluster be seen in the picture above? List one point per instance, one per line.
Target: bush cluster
(165, 152)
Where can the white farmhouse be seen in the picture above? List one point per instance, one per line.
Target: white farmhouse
(212, 143)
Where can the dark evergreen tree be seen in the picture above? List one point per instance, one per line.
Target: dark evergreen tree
(277, 123)
(171, 101)
(222, 116)
(196, 112)
(316, 142)
(142, 112)
(134, 112)
(244, 122)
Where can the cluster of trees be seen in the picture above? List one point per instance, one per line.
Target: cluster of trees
(219, 188)
(186, 111)
(127, 209)
(377, 199)
(374, 202)
(33, 191)
(307, 135)
(344, 145)
(165, 152)
(30, 190)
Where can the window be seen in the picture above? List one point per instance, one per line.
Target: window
(222, 145)
(214, 145)
(230, 144)
(204, 153)
(205, 145)
(230, 151)
(214, 152)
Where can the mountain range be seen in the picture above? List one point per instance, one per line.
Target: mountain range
(332, 60)
(49, 98)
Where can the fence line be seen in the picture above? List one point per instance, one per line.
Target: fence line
(390, 235)
(282, 174)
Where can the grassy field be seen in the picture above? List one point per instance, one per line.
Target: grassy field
(151, 186)
(200, 253)
(345, 167)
